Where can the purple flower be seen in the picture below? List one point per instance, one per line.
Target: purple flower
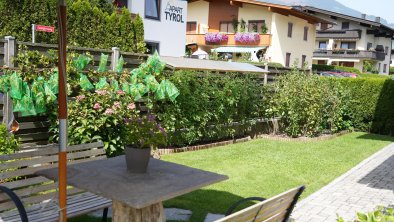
(151, 117)
(247, 37)
(120, 92)
(216, 37)
(80, 97)
(131, 106)
(109, 112)
(97, 106)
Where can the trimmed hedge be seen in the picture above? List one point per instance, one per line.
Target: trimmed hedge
(371, 104)
(318, 67)
(392, 71)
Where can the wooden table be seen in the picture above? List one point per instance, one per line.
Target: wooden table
(136, 197)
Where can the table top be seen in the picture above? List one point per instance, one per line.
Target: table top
(109, 178)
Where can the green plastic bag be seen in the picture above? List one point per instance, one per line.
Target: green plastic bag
(53, 83)
(84, 82)
(103, 63)
(4, 83)
(154, 65)
(171, 91)
(50, 96)
(151, 83)
(114, 84)
(160, 93)
(119, 65)
(17, 105)
(142, 89)
(135, 92)
(126, 87)
(16, 90)
(81, 62)
(40, 104)
(134, 78)
(38, 95)
(102, 84)
(28, 108)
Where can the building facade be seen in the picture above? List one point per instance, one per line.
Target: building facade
(164, 24)
(286, 34)
(352, 41)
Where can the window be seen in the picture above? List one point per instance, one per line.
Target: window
(303, 61)
(369, 46)
(256, 26)
(386, 50)
(120, 3)
(191, 27)
(306, 33)
(152, 9)
(324, 26)
(152, 47)
(288, 55)
(290, 30)
(348, 45)
(226, 27)
(384, 68)
(345, 25)
(322, 45)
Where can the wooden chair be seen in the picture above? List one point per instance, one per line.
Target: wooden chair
(275, 209)
(25, 196)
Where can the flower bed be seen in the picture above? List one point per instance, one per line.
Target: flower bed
(216, 37)
(247, 37)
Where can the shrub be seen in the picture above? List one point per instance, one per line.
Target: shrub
(207, 104)
(94, 24)
(8, 143)
(392, 71)
(381, 214)
(308, 104)
(275, 65)
(319, 67)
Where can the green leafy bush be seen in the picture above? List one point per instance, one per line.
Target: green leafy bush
(392, 71)
(94, 24)
(308, 104)
(8, 143)
(275, 65)
(381, 214)
(318, 67)
(208, 103)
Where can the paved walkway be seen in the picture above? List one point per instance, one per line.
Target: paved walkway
(367, 185)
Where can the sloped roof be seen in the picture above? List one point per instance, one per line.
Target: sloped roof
(177, 63)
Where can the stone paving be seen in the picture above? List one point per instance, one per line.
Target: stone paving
(369, 184)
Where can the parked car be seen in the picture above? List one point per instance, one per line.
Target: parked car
(331, 74)
(345, 74)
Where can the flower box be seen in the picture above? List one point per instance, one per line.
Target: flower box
(247, 37)
(216, 37)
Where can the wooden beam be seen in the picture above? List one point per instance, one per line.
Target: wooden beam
(235, 3)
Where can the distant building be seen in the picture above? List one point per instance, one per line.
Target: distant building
(352, 41)
(285, 34)
(392, 58)
(164, 23)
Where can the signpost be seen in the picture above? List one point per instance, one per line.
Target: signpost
(40, 28)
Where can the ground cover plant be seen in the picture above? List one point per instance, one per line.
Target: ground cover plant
(266, 167)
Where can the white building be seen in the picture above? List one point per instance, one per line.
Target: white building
(352, 41)
(164, 23)
(287, 34)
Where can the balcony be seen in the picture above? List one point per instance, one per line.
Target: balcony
(339, 34)
(349, 53)
(199, 39)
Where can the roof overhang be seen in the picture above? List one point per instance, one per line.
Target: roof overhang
(177, 63)
(237, 49)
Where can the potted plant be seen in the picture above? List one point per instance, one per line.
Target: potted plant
(141, 135)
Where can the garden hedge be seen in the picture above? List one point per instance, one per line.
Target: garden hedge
(318, 67)
(371, 104)
(91, 23)
(392, 71)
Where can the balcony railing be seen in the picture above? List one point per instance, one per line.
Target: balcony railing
(348, 53)
(199, 39)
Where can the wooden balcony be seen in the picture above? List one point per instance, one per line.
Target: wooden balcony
(199, 39)
(354, 54)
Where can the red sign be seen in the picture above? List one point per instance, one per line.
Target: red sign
(43, 28)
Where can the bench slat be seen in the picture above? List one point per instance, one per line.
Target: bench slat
(26, 182)
(266, 209)
(50, 159)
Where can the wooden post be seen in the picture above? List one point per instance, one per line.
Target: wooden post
(114, 58)
(123, 213)
(9, 54)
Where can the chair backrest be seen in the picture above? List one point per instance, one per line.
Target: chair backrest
(277, 208)
(17, 172)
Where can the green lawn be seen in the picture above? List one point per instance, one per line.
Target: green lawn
(267, 167)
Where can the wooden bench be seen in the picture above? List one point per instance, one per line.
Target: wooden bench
(275, 209)
(22, 192)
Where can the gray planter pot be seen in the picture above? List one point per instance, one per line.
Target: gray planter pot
(137, 160)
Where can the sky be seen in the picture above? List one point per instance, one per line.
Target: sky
(382, 8)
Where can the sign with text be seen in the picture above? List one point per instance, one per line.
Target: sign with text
(43, 28)
(174, 13)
